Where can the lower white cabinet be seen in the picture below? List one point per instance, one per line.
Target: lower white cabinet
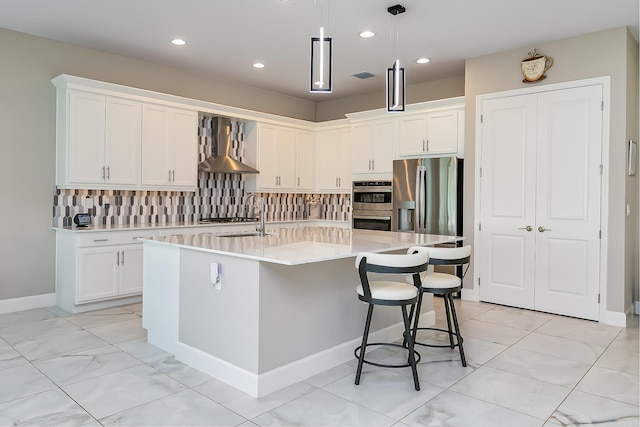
(98, 269)
(109, 271)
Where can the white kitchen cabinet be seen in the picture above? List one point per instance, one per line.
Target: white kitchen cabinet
(169, 148)
(373, 145)
(304, 160)
(276, 158)
(98, 269)
(427, 134)
(98, 141)
(333, 160)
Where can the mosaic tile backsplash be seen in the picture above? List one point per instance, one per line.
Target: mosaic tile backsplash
(218, 195)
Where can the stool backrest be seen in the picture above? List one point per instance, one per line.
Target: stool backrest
(413, 263)
(453, 256)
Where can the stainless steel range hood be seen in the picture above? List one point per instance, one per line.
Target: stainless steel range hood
(222, 162)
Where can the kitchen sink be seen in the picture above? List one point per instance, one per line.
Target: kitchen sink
(245, 234)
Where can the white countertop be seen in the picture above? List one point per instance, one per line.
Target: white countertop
(303, 245)
(178, 225)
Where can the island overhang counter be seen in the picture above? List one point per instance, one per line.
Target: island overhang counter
(261, 313)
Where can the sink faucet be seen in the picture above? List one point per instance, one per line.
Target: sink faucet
(260, 227)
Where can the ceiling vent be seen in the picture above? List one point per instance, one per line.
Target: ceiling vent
(363, 75)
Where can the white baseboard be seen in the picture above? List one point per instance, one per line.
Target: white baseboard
(469, 294)
(614, 318)
(27, 303)
(258, 385)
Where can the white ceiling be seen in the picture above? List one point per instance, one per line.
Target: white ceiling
(224, 38)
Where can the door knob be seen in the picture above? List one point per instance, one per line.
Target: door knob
(528, 228)
(542, 229)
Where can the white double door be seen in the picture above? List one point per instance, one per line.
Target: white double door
(540, 202)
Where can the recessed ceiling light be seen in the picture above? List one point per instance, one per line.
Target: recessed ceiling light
(367, 34)
(258, 65)
(423, 60)
(178, 42)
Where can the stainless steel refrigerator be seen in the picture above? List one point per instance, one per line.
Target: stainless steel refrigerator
(427, 196)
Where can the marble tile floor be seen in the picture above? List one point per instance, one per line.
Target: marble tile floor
(524, 369)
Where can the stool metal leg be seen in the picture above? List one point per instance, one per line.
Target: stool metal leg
(363, 347)
(457, 328)
(409, 339)
(448, 314)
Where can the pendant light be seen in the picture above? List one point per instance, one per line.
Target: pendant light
(321, 56)
(395, 74)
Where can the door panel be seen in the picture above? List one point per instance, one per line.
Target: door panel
(568, 201)
(507, 192)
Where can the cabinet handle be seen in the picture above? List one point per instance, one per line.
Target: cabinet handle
(298, 181)
(173, 175)
(369, 164)
(424, 145)
(108, 172)
(339, 182)
(336, 181)
(100, 240)
(117, 258)
(427, 145)
(103, 173)
(122, 258)
(169, 175)
(373, 165)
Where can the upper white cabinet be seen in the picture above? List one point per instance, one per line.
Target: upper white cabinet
(333, 160)
(373, 144)
(98, 141)
(114, 137)
(169, 148)
(285, 158)
(434, 129)
(304, 160)
(429, 134)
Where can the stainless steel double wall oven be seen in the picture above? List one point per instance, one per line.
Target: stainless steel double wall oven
(372, 204)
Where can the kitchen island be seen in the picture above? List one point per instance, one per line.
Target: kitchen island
(264, 312)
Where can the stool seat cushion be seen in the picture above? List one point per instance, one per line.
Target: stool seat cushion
(441, 280)
(389, 290)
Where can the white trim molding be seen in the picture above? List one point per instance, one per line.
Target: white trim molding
(27, 303)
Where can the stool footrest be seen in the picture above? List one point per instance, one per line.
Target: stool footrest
(451, 334)
(417, 356)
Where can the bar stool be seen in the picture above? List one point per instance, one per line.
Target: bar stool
(443, 284)
(390, 293)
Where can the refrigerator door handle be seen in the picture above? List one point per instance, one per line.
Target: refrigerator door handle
(420, 200)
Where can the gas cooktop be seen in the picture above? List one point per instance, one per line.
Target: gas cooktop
(212, 220)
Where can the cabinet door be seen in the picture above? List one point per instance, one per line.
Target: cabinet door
(86, 126)
(286, 158)
(333, 160)
(344, 160)
(362, 139)
(267, 178)
(384, 150)
(304, 160)
(412, 136)
(156, 142)
(442, 132)
(130, 272)
(123, 139)
(184, 148)
(98, 273)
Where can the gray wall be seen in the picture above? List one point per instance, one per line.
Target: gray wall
(429, 91)
(27, 138)
(606, 53)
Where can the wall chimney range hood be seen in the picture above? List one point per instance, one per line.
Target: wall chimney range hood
(222, 162)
